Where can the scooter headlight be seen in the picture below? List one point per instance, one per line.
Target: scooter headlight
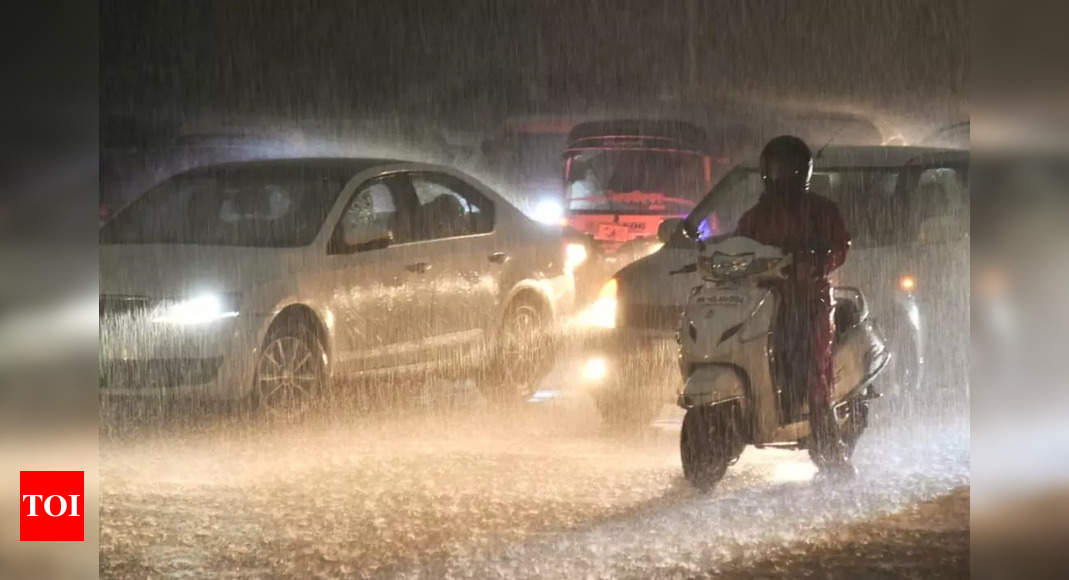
(723, 266)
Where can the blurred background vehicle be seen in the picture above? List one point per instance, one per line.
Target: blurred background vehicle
(622, 178)
(267, 280)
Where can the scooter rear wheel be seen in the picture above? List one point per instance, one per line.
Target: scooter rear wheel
(708, 445)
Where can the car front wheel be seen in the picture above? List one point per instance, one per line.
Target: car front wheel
(522, 354)
(291, 371)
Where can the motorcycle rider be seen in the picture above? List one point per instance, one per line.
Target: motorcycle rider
(809, 227)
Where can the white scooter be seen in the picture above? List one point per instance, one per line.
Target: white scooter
(734, 392)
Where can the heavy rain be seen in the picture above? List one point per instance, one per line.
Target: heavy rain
(422, 290)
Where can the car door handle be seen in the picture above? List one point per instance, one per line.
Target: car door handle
(418, 267)
(498, 257)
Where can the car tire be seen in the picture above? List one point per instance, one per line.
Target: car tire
(291, 371)
(522, 353)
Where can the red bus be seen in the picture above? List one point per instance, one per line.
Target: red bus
(622, 178)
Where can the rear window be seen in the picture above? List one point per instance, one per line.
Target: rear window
(231, 206)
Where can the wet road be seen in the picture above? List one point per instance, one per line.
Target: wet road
(541, 492)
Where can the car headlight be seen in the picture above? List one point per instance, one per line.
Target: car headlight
(603, 312)
(595, 369)
(549, 211)
(574, 256)
(200, 309)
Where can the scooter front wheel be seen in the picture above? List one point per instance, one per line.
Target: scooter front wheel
(707, 445)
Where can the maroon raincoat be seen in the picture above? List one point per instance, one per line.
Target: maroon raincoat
(810, 227)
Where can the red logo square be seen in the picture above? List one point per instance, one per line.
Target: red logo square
(52, 506)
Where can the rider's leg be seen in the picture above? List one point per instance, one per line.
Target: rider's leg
(792, 352)
(826, 437)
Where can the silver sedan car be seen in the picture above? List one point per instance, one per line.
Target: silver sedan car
(264, 281)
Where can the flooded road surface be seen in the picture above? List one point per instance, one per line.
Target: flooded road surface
(542, 491)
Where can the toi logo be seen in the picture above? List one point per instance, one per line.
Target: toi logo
(52, 506)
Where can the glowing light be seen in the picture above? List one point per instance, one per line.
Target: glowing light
(548, 211)
(653, 248)
(574, 256)
(198, 310)
(543, 395)
(603, 312)
(608, 290)
(907, 283)
(595, 369)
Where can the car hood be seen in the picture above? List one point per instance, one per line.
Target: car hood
(649, 280)
(178, 270)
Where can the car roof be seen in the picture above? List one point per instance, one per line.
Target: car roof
(877, 156)
(354, 164)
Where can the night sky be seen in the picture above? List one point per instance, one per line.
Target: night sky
(472, 64)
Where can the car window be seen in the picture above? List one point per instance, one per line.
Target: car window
(939, 205)
(718, 214)
(448, 207)
(259, 205)
(867, 197)
(941, 191)
(370, 214)
(634, 181)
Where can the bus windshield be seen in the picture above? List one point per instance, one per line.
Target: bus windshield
(634, 181)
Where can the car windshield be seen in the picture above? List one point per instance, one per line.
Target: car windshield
(880, 205)
(634, 182)
(231, 206)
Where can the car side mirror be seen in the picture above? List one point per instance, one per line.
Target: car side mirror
(363, 237)
(668, 229)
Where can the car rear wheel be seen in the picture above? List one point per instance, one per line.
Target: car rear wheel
(291, 371)
(522, 354)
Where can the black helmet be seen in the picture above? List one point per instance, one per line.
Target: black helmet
(786, 164)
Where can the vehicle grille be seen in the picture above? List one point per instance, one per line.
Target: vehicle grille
(158, 374)
(650, 316)
(113, 305)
